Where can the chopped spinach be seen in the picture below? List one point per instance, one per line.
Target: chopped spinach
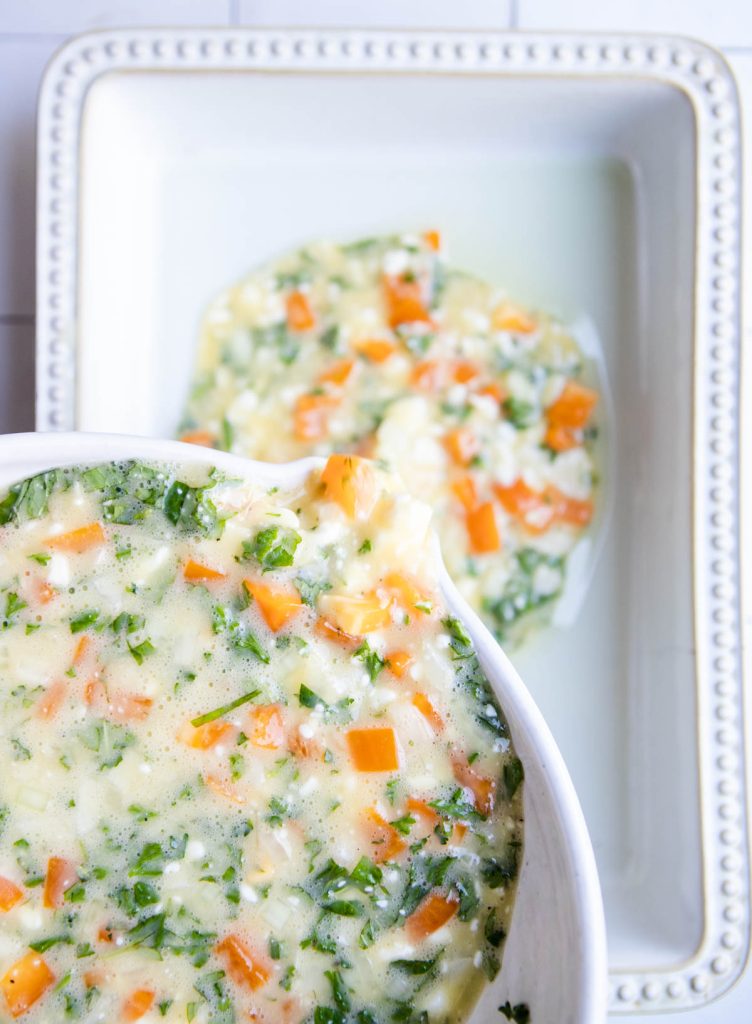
(372, 660)
(273, 548)
(310, 589)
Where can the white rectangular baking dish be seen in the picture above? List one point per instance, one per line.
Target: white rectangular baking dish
(592, 175)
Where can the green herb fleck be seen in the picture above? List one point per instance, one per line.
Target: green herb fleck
(225, 709)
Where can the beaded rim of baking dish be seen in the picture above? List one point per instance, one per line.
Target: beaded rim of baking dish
(704, 77)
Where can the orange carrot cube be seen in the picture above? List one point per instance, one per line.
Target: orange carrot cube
(78, 541)
(137, 1004)
(300, 315)
(266, 728)
(482, 529)
(276, 604)
(351, 482)
(10, 894)
(246, 968)
(200, 437)
(512, 318)
(353, 615)
(429, 712)
(398, 662)
(462, 444)
(61, 876)
(203, 737)
(432, 913)
(373, 750)
(194, 572)
(385, 839)
(25, 983)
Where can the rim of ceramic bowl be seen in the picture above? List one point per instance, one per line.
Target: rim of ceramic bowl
(22, 455)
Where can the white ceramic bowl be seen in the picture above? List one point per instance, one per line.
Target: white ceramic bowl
(555, 957)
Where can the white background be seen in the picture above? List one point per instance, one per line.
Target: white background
(31, 30)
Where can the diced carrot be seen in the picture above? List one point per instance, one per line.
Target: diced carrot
(10, 894)
(404, 591)
(431, 819)
(51, 700)
(328, 631)
(574, 406)
(94, 691)
(311, 416)
(277, 604)
(194, 572)
(245, 967)
(373, 750)
(80, 650)
(43, 592)
(429, 712)
(338, 373)
(462, 444)
(535, 510)
(572, 511)
(398, 662)
(351, 482)
(300, 315)
(353, 615)
(224, 788)
(200, 437)
(266, 728)
(562, 439)
(376, 350)
(107, 934)
(432, 913)
(25, 983)
(304, 746)
(385, 839)
(464, 490)
(482, 788)
(203, 737)
(482, 529)
(464, 371)
(405, 302)
(421, 808)
(459, 831)
(137, 1004)
(568, 416)
(128, 707)
(291, 1011)
(61, 875)
(432, 240)
(431, 375)
(509, 317)
(287, 1012)
(93, 978)
(493, 390)
(77, 541)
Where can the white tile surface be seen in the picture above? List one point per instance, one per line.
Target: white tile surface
(53, 16)
(378, 13)
(22, 61)
(16, 377)
(724, 23)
